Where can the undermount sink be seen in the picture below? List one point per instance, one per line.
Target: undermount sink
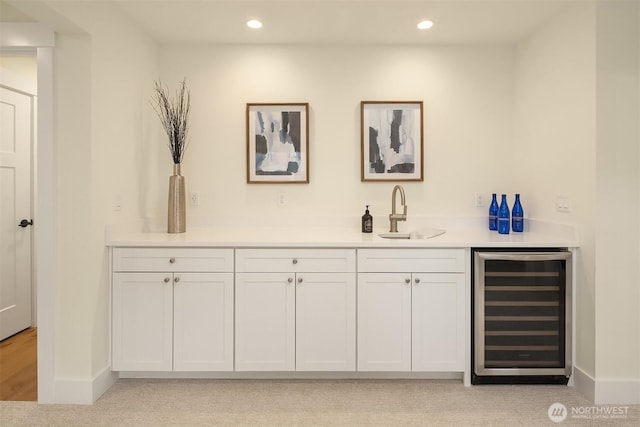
(421, 233)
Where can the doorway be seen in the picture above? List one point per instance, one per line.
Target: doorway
(18, 354)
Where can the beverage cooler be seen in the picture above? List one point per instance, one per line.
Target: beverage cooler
(521, 316)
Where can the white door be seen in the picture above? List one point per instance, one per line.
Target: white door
(15, 205)
(325, 322)
(203, 322)
(438, 322)
(265, 321)
(384, 322)
(142, 322)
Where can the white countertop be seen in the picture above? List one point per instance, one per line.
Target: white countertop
(459, 234)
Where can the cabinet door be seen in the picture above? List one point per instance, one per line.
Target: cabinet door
(438, 322)
(203, 322)
(384, 322)
(265, 316)
(142, 321)
(325, 322)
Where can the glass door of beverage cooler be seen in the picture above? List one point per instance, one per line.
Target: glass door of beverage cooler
(522, 313)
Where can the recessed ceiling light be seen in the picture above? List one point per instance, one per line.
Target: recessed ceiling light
(254, 23)
(423, 25)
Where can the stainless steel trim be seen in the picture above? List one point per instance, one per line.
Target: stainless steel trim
(524, 256)
(482, 367)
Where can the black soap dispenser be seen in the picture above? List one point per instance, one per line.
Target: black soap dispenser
(367, 221)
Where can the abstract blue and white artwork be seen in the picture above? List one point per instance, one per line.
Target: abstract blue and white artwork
(391, 137)
(277, 143)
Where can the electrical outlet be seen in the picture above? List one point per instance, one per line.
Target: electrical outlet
(479, 200)
(117, 203)
(282, 199)
(195, 198)
(563, 203)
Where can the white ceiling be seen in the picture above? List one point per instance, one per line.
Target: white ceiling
(338, 21)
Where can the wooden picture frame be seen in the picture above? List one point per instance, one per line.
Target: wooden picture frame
(391, 141)
(278, 143)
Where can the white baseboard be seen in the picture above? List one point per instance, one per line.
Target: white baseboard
(607, 391)
(103, 382)
(618, 392)
(293, 375)
(83, 392)
(584, 383)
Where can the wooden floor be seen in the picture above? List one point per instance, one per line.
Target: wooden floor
(19, 366)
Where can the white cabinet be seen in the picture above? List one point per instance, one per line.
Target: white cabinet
(437, 319)
(142, 322)
(411, 310)
(384, 322)
(265, 322)
(268, 309)
(172, 309)
(326, 322)
(295, 310)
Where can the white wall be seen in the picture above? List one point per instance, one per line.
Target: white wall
(75, 282)
(23, 64)
(617, 308)
(577, 134)
(102, 80)
(485, 109)
(554, 146)
(468, 100)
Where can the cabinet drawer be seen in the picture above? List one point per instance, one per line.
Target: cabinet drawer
(295, 260)
(411, 260)
(173, 259)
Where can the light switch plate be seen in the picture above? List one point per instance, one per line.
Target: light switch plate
(563, 203)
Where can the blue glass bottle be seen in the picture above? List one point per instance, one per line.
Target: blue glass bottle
(493, 213)
(517, 216)
(504, 217)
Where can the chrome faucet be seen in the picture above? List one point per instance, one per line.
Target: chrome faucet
(395, 217)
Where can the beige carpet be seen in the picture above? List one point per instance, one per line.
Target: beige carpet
(135, 402)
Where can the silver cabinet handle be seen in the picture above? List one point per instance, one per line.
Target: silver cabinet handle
(299, 279)
(295, 261)
(177, 279)
(290, 280)
(172, 260)
(166, 280)
(407, 280)
(417, 280)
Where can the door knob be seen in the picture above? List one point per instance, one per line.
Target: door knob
(24, 223)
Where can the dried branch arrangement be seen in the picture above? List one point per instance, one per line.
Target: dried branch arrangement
(174, 116)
